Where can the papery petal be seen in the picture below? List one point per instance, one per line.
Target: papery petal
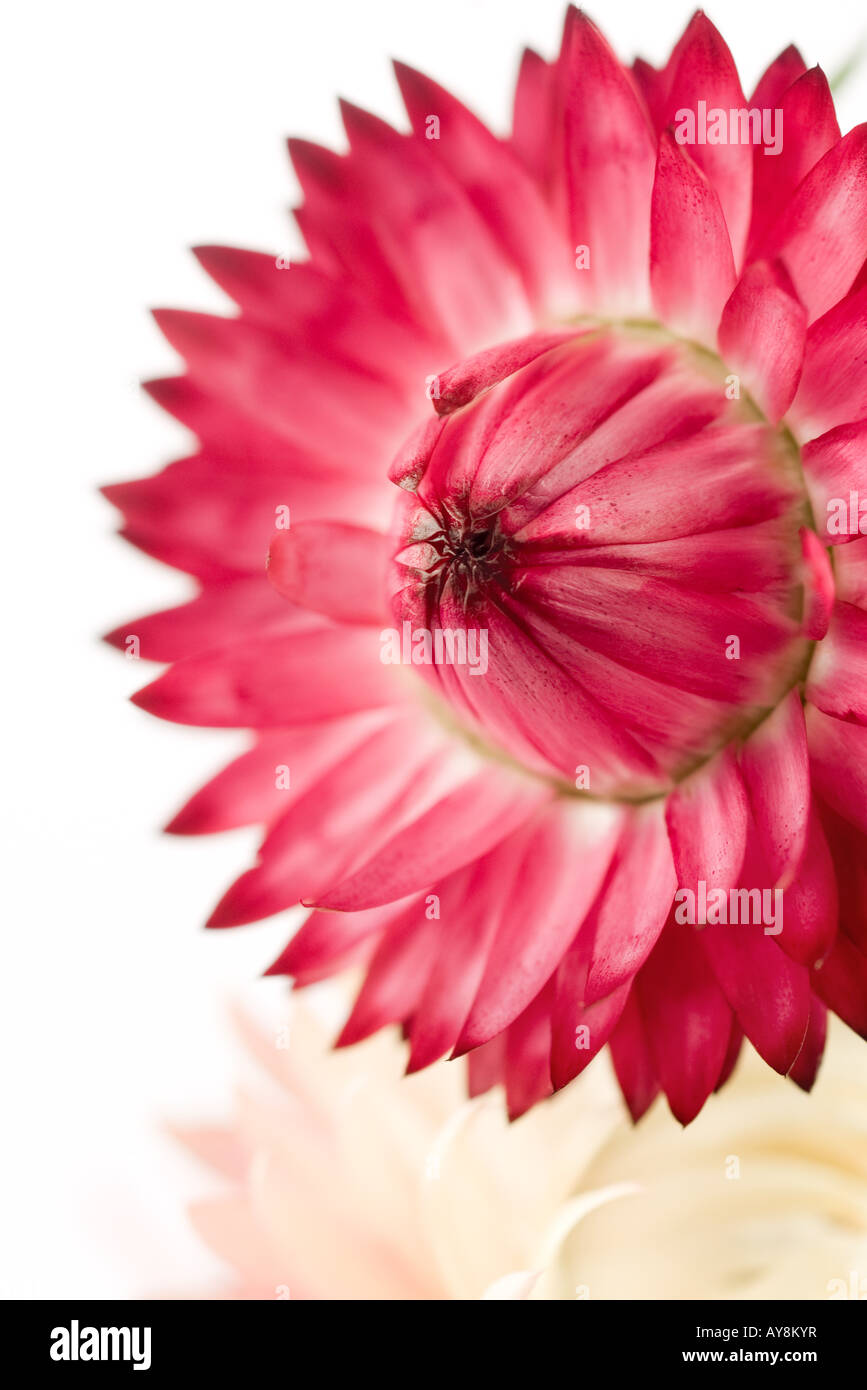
(692, 271)
(821, 234)
(807, 128)
(837, 681)
(687, 1021)
(332, 568)
(762, 334)
(460, 826)
(775, 767)
(609, 168)
(557, 880)
(632, 1059)
(633, 907)
(702, 69)
(769, 993)
(305, 680)
(833, 387)
(707, 818)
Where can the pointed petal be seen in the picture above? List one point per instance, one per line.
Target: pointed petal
(303, 680)
(707, 818)
(561, 871)
(633, 1063)
(609, 168)
(462, 825)
(769, 992)
(833, 386)
(633, 906)
(837, 682)
(762, 334)
(775, 766)
(702, 69)
(692, 272)
(821, 234)
(686, 1017)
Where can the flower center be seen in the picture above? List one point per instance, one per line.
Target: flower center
(470, 555)
(623, 525)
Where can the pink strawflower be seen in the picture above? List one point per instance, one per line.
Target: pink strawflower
(565, 639)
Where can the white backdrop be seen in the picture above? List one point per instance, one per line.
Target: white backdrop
(133, 131)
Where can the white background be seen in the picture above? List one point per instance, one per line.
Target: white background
(132, 131)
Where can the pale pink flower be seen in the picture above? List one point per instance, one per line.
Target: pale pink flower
(344, 1180)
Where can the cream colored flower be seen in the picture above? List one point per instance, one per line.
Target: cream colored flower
(350, 1181)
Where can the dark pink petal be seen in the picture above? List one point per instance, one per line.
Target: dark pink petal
(810, 904)
(338, 822)
(775, 766)
(442, 253)
(833, 387)
(762, 334)
(412, 458)
(633, 906)
(312, 400)
(686, 1018)
(819, 587)
(707, 818)
(578, 1030)
(702, 69)
(219, 616)
(809, 1059)
(692, 272)
(849, 853)
(711, 561)
(837, 681)
(736, 1038)
(528, 1055)
(505, 196)
(633, 1063)
(769, 992)
(838, 761)
(332, 568)
(336, 225)
(609, 168)
(263, 783)
(328, 313)
(653, 85)
(646, 624)
(555, 883)
(468, 905)
(396, 977)
(821, 234)
(786, 68)
(325, 938)
(639, 496)
(219, 532)
(456, 828)
(850, 572)
(306, 678)
(523, 671)
(835, 467)
(470, 377)
(842, 983)
(486, 1066)
(808, 127)
(534, 125)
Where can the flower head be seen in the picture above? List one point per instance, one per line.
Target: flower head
(557, 685)
(764, 1197)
